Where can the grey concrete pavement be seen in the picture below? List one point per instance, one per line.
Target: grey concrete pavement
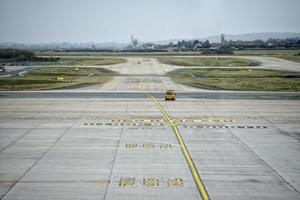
(142, 74)
(265, 63)
(237, 162)
(112, 142)
(159, 95)
(124, 149)
(276, 63)
(15, 71)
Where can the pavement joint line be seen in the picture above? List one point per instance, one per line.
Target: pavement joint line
(26, 133)
(200, 186)
(262, 161)
(39, 159)
(115, 156)
(19, 138)
(177, 124)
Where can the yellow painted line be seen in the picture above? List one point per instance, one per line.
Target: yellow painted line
(178, 123)
(59, 78)
(100, 182)
(186, 154)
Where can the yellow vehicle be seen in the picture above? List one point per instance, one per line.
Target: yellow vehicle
(170, 95)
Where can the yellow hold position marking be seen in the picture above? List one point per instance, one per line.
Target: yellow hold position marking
(126, 182)
(130, 146)
(148, 146)
(166, 146)
(150, 182)
(175, 182)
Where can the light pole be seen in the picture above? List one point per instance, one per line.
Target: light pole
(14, 53)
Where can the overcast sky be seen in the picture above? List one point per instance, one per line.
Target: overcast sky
(31, 21)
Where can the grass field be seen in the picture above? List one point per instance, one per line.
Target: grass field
(207, 61)
(84, 60)
(292, 55)
(46, 78)
(236, 79)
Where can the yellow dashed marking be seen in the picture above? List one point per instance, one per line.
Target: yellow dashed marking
(150, 182)
(130, 146)
(130, 181)
(126, 182)
(175, 182)
(111, 145)
(100, 182)
(148, 146)
(166, 146)
(178, 123)
(212, 120)
(159, 122)
(228, 127)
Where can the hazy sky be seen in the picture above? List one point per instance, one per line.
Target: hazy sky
(149, 20)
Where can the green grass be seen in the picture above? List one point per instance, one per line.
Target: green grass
(292, 55)
(207, 61)
(44, 78)
(65, 53)
(236, 79)
(85, 60)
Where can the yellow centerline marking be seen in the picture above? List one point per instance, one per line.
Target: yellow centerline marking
(186, 154)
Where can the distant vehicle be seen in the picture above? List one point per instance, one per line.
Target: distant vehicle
(170, 95)
(2, 69)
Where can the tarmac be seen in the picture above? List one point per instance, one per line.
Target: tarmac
(132, 147)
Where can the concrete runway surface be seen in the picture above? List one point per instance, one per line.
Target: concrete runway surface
(112, 146)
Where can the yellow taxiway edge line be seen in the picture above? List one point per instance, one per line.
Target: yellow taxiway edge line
(187, 156)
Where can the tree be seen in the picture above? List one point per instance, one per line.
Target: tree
(16, 54)
(206, 44)
(135, 42)
(196, 42)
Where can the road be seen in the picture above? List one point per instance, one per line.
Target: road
(15, 71)
(116, 141)
(265, 62)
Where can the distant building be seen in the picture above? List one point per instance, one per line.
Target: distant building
(148, 46)
(222, 39)
(198, 46)
(134, 42)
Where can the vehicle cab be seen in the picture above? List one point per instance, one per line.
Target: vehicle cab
(170, 95)
(2, 69)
